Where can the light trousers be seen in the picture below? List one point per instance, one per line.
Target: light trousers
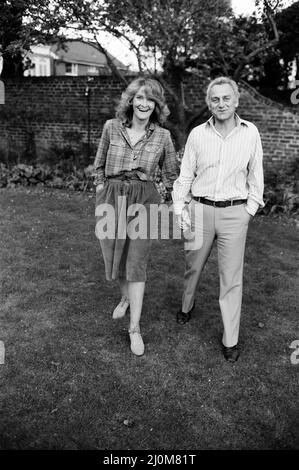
(228, 226)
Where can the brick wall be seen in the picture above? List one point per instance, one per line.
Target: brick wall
(279, 128)
(41, 113)
(53, 111)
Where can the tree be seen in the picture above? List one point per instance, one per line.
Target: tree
(288, 24)
(10, 30)
(171, 38)
(193, 36)
(272, 75)
(23, 23)
(172, 29)
(175, 34)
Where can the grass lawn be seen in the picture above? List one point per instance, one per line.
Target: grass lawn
(70, 381)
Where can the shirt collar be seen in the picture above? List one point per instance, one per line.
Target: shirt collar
(150, 127)
(239, 121)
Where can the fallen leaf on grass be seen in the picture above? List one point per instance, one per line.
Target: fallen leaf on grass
(129, 423)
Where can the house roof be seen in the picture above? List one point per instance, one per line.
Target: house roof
(79, 52)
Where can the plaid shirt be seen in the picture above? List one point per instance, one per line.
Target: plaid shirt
(116, 154)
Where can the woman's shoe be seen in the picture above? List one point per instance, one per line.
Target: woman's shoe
(137, 345)
(121, 308)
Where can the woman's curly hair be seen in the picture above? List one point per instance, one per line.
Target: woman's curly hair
(153, 91)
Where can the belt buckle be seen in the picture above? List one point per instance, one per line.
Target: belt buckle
(214, 203)
(231, 202)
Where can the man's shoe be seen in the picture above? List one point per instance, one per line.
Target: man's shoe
(137, 345)
(121, 308)
(182, 317)
(231, 354)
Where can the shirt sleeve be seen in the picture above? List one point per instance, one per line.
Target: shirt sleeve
(101, 155)
(182, 185)
(169, 163)
(255, 178)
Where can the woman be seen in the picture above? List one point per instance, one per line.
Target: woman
(131, 148)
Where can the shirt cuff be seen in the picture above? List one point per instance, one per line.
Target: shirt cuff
(251, 207)
(178, 207)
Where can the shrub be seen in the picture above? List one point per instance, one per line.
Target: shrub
(43, 175)
(281, 198)
(280, 194)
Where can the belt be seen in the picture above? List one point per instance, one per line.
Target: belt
(126, 176)
(232, 202)
(115, 179)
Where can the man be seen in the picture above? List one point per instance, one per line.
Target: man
(222, 171)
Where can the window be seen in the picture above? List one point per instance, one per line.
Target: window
(68, 68)
(42, 68)
(71, 69)
(39, 67)
(92, 70)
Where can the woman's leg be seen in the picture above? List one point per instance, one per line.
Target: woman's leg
(136, 292)
(123, 285)
(122, 307)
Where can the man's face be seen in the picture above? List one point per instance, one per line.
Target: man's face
(222, 102)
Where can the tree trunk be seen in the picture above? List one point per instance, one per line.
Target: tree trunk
(12, 63)
(12, 66)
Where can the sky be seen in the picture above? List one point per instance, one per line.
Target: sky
(243, 7)
(246, 7)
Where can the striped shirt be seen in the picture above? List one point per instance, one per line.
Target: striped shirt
(116, 154)
(222, 168)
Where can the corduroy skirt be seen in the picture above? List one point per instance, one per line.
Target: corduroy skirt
(123, 226)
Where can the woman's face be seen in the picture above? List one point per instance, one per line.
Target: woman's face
(143, 107)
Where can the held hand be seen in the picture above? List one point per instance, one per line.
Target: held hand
(183, 220)
(99, 187)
